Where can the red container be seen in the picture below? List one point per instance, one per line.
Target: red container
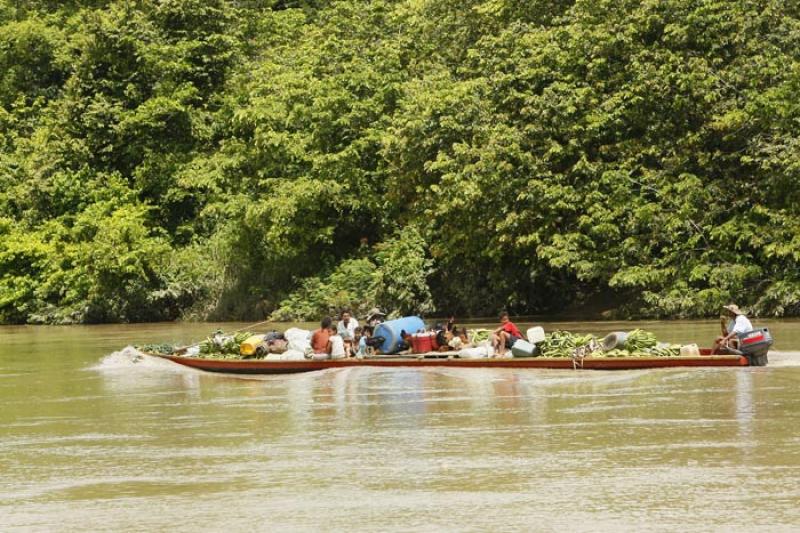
(422, 342)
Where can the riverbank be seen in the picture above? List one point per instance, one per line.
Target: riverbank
(785, 331)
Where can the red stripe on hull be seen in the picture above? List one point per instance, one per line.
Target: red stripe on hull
(619, 363)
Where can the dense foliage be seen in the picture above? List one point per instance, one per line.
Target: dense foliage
(231, 159)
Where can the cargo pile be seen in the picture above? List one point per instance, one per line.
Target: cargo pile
(162, 348)
(295, 344)
(637, 343)
(221, 344)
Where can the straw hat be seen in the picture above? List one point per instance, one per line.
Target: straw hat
(733, 308)
(374, 312)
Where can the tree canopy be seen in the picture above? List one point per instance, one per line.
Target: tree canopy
(239, 159)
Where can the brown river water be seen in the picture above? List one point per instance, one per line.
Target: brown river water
(94, 439)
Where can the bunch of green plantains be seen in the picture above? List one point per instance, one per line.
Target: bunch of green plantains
(218, 345)
(637, 343)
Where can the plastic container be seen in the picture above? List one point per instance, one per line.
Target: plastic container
(423, 342)
(690, 350)
(614, 340)
(390, 331)
(535, 334)
(523, 348)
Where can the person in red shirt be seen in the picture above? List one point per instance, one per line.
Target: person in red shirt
(504, 337)
(320, 338)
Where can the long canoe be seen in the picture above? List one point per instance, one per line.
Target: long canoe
(229, 366)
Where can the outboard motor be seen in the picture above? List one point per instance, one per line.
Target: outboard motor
(754, 345)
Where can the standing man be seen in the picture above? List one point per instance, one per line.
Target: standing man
(504, 337)
(732, 323)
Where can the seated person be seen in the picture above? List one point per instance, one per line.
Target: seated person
(375, 317)
(504, 337)
(445, 332)
(336, 347)
(347, 328)
(320, 337)
(459, 339)
(360, 342)
(404, 345)
(372, 342)
(732, 323)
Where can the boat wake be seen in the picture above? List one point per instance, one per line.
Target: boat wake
(129, 357)
(783, 359)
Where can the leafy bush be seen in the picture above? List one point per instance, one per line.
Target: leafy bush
(234, 159)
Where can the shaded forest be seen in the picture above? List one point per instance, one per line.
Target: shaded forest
(221, 159)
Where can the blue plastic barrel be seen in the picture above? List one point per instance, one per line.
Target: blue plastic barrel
(391, 330)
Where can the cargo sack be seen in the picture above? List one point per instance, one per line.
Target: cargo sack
(480, 352)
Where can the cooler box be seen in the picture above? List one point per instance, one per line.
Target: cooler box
(523, 348)
(423, 342)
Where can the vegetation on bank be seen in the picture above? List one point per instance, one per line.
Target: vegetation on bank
(236, 159)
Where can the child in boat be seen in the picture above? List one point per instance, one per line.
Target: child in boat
(336, 347)
(373, 343)
(504, 337)
(404, 345)
(360, 342)
(458, 339)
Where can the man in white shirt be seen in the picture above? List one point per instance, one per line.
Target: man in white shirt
(346, 328)
(732, 325)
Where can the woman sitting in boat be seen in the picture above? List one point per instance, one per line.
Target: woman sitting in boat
(321, 337)
(732, 323)
(504, 337)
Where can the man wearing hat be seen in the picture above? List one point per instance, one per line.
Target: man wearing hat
(374, 317)
(733, 322)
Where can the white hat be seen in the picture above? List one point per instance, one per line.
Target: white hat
(733, 308)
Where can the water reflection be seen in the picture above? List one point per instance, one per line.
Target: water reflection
(745, 409)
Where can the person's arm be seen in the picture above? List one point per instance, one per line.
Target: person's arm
(728, 336)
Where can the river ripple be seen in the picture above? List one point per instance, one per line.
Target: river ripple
(92, 441)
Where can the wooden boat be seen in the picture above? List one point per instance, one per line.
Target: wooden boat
(256, 366)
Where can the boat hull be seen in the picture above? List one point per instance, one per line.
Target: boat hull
(589, 363)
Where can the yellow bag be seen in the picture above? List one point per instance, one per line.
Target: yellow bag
(251, 344)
